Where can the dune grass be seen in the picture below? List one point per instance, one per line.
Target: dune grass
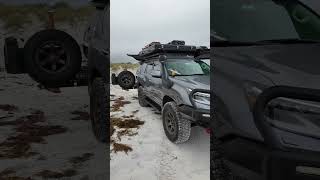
(16, 17)
(119, 66)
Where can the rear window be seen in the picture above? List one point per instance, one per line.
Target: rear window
(157, 66)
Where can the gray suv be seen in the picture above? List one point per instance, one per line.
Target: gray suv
(174, 81)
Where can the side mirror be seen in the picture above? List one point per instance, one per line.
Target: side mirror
(156, 74)
(162, 58)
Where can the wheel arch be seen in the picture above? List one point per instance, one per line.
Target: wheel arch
(166, 99)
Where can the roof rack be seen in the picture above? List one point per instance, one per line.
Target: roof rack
(173, 47)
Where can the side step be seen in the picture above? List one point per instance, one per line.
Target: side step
(154, 105)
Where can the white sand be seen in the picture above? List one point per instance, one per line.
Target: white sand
(59, 148)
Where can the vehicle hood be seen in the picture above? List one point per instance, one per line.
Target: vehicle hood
(296, 65)
(193, 82)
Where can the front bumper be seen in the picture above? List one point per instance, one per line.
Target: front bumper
(294, 165)
(267, 164)
(273, 159)
(199, 116)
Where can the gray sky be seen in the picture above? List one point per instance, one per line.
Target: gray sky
(135, 23)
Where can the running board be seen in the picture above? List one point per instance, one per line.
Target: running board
(154, 105)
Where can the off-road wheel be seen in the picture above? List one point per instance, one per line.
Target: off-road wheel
(99, 104)
(52, 57)
(142, 98)
(126, 80)
(177, 130)
(13, 56)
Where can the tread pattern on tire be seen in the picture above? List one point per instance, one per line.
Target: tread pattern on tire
(126, 86)
(99, 87)
(141, 98)
(82, 76)
(184, 126)
(219, 171)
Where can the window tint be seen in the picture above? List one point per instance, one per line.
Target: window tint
(149, 68)
(142, 68)
(157, 66)
(269, 20)
(182, 67)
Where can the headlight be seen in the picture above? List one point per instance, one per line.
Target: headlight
(202, 98)
(291, 115)
(297, 116)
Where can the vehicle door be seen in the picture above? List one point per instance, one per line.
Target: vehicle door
(141, 75)
(156, 82)
(147, 80)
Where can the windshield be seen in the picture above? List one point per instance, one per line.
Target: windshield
(261, 20)
(181, 67)
(207, 61)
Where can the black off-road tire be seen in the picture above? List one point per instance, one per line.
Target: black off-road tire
(182, 127)
(142, 98)
(13, 56)
(126, 80)
(83, 76)
(219, 170)
(52, 57)
(99, 104)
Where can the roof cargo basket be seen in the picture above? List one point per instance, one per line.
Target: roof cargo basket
(177, 42)
(173, 47)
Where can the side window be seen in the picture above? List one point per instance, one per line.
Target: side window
(306, 22)
(149, 68)
(142, 68)
(157, 66)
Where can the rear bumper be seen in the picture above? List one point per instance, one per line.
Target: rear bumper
(199, 116)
